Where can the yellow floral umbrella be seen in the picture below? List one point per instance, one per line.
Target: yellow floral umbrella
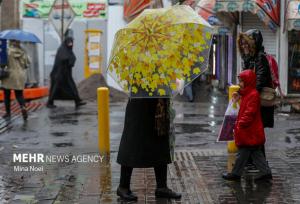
(158, 48)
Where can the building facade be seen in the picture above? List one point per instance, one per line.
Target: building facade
(279, 22)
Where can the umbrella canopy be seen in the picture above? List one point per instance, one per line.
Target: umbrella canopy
(19, 35)
(267, 10)
(133, 7)
(158, 48)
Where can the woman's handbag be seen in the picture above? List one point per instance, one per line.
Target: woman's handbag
(267, 97)
(3, 72)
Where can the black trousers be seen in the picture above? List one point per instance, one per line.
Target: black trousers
(19, 96)
(258, 159)
(160, 176)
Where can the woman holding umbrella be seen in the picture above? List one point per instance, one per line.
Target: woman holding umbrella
(150, 54)
(18, 62)
(144, 144)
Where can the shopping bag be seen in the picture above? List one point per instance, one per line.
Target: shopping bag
(226, 131)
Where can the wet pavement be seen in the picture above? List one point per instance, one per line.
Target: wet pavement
(196, 172)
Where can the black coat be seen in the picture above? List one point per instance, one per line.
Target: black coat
(62, 84)
(263, 79)
(142, 145)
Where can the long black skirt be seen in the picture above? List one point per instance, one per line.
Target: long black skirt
(140, 145)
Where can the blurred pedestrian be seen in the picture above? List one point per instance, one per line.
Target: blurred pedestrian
(18, 62)
(189, 92)
(249, 132)
(62, 83)
(145, 144)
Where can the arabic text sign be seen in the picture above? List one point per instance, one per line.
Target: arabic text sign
(82, 8)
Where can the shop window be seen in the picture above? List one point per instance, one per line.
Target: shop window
(294, 62)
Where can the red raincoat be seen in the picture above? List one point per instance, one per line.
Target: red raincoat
(249, 130)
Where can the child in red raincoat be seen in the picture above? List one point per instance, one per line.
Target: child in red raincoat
(249, 131)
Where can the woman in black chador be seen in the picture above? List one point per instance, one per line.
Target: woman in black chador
(145, 143)
(62, 84)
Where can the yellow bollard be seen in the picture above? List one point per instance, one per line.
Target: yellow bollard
(103, 121)
(231, 147)
(230, 162)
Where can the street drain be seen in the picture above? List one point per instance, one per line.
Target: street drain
(59, 134)
(64, 144)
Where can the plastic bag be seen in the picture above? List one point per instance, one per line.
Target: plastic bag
(226, 131)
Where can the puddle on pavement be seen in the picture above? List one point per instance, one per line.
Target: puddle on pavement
(25, 198)
(191, 128)
(297, 138)
(66, 121)
(63, 144)
(59, 134)
(293, 131)
(245, 191)
(196, 115)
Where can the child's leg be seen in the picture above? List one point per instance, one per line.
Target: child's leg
(260, 161)
(241, 161)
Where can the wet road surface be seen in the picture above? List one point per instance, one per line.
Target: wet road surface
(196, 172)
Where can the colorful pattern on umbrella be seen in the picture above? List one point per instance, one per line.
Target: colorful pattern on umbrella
(267, 10)
(134, 7)
(158, 47)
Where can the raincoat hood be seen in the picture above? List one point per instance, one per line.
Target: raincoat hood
(249, 78)
(254, 39)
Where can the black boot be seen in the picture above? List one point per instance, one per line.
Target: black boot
(264, 177)
(126, 194)
(231, 177)
(166, 193)
(24, 113)
(50, 105)
(6, 116)
(79, 103)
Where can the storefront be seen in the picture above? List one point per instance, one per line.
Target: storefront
(236, 16)
(223, 63)
(293, 27)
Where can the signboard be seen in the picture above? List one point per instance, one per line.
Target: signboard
(93, 55)
(82, 8)
(61, 16)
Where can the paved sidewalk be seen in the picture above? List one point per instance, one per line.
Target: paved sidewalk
(196, 172)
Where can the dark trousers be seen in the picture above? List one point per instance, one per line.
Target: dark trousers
(258, 159)
(19, 96)
(160, 176)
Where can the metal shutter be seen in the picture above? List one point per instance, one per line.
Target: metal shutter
(251, 21)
